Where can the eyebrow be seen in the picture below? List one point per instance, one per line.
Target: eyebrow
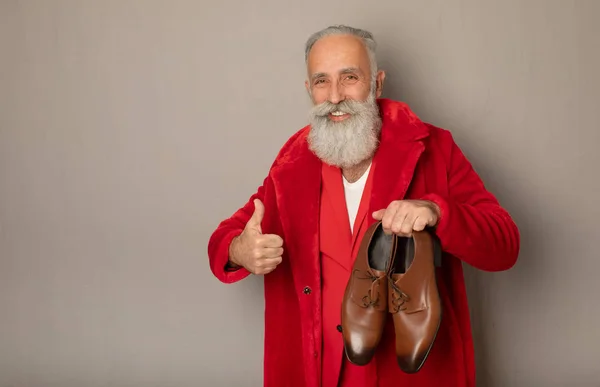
(350, 70)
(346, 70)
(318, 75)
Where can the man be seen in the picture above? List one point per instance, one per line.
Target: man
(361, 159)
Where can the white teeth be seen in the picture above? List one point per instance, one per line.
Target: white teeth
(337, 113)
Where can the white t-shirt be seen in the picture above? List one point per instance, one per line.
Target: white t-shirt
(353, 192)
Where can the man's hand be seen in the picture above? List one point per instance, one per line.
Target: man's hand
(402, 217)
(258, 253)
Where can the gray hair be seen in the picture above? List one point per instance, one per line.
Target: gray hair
(366, 37)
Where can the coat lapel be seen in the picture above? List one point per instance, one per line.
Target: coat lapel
(298, 189)
(395, 161)
(363, 212)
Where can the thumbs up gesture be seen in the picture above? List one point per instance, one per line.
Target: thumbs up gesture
(258, 253)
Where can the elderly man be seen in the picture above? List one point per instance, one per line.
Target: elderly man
(362, 159)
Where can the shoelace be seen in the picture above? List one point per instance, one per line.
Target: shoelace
(369, 300)
(399, 297)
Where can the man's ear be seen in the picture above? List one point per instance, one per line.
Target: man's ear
(379, 83)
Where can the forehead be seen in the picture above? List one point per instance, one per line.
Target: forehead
(332, 54)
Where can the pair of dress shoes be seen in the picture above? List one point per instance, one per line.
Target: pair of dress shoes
(396, 275)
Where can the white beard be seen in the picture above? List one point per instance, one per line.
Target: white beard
(346, 143)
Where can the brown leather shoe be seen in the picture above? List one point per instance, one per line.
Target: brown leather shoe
(413, 298)
(365, 305)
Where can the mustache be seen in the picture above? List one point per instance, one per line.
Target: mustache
(346, 106)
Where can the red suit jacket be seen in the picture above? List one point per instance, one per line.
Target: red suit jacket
(415, 160)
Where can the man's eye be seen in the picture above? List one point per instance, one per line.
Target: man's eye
(352, 77)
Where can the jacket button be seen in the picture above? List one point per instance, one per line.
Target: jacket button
(339, 328)
(307, 290)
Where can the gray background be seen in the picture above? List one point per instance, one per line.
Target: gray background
(129, 129)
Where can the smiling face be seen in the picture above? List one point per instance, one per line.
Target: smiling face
(345, 120)
(338, 69)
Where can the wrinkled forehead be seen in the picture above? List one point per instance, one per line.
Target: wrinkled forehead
(338, 54)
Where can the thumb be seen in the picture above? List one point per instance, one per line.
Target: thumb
(378, 215)
(257, 216)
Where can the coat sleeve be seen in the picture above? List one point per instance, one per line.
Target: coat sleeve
(473, 226)
(218, 244)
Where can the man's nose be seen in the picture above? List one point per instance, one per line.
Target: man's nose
(336, 94)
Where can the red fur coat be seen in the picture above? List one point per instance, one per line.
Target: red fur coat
(415, 160)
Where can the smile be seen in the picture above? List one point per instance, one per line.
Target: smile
(338, 116)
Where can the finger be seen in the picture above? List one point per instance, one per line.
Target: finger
(270, 240)
(420, 224)
(268, 262)
(405, 229)
(432, 218)
(266, 270)
(257, 217)
(378, 215)
(388, 218)
(272, 252)
(398, 220)
(267, 265)
(259, 254)
(272, 262)
(408, 224)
